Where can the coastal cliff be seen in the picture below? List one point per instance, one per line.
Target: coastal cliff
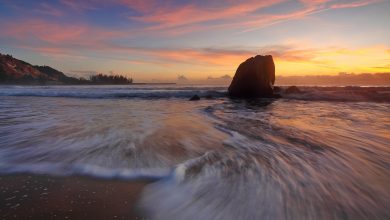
(14, 71)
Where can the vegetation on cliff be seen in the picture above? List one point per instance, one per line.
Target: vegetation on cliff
(14, 71)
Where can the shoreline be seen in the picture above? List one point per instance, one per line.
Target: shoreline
(26, 196)
(87, 84)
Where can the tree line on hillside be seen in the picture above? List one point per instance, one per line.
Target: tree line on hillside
(110, 79)
(98, 79)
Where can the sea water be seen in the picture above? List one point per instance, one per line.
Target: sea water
(323, 153)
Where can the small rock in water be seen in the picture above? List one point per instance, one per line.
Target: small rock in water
(195, 98)
(292, 89)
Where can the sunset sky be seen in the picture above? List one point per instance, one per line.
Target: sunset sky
(159, 40)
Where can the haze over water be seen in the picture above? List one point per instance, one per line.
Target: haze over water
(219, 158)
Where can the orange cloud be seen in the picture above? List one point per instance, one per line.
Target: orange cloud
(289, 60)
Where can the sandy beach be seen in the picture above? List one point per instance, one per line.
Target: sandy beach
(46, 197)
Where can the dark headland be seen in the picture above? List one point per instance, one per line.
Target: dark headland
(18, 72)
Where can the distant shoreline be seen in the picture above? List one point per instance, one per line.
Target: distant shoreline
(79, 84)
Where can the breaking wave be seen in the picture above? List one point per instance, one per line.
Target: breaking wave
(348, 93)
(109, 92)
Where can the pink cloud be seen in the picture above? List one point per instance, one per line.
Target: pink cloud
(138, 5)
(170, 18)
(213, 56)
(354, 4)
(58, 33)
(65, 38)
(174, 20)
(191, 14)
(314, 2)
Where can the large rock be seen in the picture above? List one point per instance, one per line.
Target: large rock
(254, 78)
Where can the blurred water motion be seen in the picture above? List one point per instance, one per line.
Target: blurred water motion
(213, 159)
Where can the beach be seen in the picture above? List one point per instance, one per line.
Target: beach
(47, 197)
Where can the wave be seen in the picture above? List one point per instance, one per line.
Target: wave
(278, 161)
(348, 93)
(307, 93)
(152, 174)
(108, 94)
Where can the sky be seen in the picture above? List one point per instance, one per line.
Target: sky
(152, 40)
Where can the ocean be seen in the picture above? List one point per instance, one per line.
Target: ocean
(322, 153)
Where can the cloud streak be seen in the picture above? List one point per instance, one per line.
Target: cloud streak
(81, 40)
(192, 14)
(73, 31)
(354, 4)
(173, 18)
(244, 15)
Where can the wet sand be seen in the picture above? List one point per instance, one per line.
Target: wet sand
(46, 197)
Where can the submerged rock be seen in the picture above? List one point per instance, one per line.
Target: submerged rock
(292, 89)
(277, 89)
(195, 98)
(254, 78)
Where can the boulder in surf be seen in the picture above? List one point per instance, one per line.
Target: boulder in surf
(194, 98)
(254, 78)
